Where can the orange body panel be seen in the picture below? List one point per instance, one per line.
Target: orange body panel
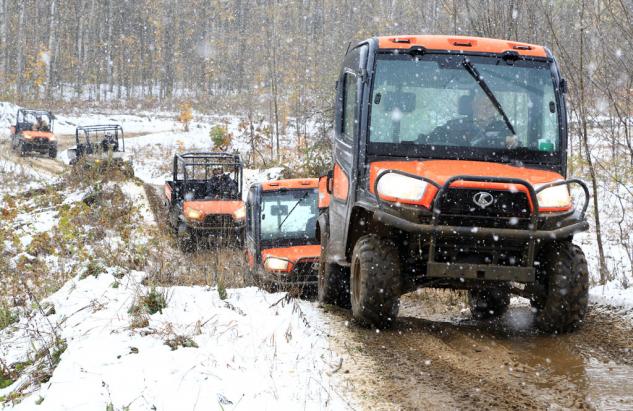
(209, 207)
(324, 196)
(461, 43)
(292, 183)
(39, 134)
(341, 184)
(440, 171)
(293, 254)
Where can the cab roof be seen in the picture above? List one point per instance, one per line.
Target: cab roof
(291, 183)
(461, 43)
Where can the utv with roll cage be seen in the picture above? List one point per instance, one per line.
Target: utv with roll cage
(28, 136)
(450, 162)
(282, 248)
(100, 147)
(203, 208)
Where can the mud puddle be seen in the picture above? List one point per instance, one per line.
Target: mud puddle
(436, 356)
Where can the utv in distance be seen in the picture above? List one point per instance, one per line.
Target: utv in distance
(282, 245)
(101, 146)
(33, 132)
(450, 163)
(204, 199)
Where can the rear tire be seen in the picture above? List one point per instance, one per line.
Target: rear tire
(333, 280)
(375, 282)
(564, 278)
(487, 303)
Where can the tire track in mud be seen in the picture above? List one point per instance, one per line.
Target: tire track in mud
(460, 363)
(36, 162)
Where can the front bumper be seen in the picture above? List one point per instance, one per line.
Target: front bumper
(538, 231)
(300, 276)
(42, 146)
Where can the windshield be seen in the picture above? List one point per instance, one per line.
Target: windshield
(289, 216)
(437, 105)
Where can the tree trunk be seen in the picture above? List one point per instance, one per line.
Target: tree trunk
(52, 39)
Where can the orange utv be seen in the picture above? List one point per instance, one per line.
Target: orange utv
(33, 132)
(282, 243)
(450, 171)
(204, 199)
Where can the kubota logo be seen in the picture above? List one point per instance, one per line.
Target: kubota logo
(483, 199)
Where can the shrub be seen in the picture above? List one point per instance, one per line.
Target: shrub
(186, 115)
(220, 137)
(149, 303)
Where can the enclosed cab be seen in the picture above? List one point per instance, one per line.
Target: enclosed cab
(33, 132)
(450, 158)
(282, 243)
(100, 145)
(204, 199)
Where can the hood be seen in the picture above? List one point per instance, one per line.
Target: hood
(440, 171)
(215, 207)
(293, 254)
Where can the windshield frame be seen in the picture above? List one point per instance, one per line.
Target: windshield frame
(553, 160)
(285, 242)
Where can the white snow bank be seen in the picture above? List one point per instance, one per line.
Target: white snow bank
(252, 354)
(612, 294)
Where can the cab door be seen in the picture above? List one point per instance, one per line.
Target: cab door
(252, 230)
(346, 136)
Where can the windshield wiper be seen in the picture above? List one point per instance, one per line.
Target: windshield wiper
(472, 70)
(293, 208)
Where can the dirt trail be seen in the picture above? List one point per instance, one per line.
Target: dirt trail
(433, 360)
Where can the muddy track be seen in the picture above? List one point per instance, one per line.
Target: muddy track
(455, 362)
(34, 161)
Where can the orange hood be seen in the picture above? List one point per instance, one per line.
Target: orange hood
(39, 134)
(293, 254)
(440, 171)
(209, 207)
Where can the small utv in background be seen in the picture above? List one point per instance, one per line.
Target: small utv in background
(33, 132)
(100, 147)
(450, 163)
(204, 199)
(282, 244)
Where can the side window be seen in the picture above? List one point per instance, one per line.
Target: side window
(349, 105)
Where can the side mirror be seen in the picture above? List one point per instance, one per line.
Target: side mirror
(563, 86)
(329, 186)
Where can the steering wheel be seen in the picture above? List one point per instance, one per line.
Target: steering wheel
(496, 140)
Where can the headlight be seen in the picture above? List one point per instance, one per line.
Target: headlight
(240, 213)
(193, 214)
(556, 197)
(395, 187)
(276, 264)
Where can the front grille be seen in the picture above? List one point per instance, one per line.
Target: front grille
(508, 209)
(219, 221)
(481, 251)
(305, 270)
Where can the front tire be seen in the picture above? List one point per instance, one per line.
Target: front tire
(333, 280)
(564, 279)
(52, 152)
(375, 282)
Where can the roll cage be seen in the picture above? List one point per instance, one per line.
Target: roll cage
(22, 124)
(112, 139)
(192, 169)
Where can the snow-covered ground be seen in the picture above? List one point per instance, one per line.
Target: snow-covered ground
(252, 350)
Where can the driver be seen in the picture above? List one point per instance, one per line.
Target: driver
(480, 120)
(221, 184)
